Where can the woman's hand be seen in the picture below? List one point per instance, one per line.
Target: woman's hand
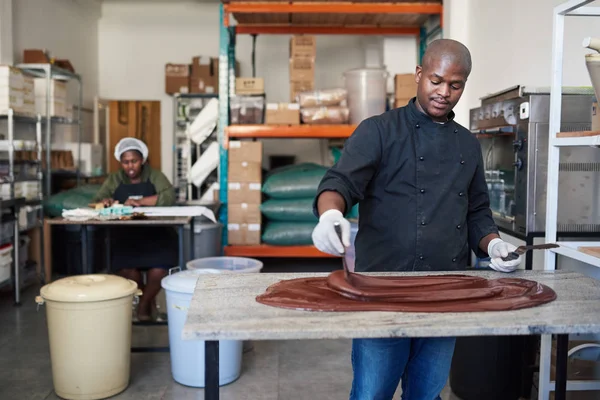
(108, 202)
(133, 203)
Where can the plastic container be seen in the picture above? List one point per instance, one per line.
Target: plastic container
(367, 92)
(187, 356)
(350, 254)
(207, 239)
(592, 62)
(89, 328)
(226, 264)
(5, 262)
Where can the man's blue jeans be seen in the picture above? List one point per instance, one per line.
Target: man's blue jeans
(379, 364)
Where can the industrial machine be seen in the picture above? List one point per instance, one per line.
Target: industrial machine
(513, 129)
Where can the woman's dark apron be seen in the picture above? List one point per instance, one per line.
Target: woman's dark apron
(141, 247)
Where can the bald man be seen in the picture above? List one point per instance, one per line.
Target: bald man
(418, 177)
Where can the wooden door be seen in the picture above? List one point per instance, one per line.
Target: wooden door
(138, 119)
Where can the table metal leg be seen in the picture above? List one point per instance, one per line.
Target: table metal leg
(211, 370)
(562, 350)
(192, 242)
(108, 265)
(84, 250)
(529, 254)
(181, 260)
(16, 247)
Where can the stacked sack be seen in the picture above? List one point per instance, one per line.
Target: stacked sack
(324, 107)
(291, 191)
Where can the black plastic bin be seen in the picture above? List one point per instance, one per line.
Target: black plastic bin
(493, 367)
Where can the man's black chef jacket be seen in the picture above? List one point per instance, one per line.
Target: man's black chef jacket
(421, 190)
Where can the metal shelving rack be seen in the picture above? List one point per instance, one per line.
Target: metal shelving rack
(182, 145)
(566, 249)
(50, 72)
(316, 18)
(16, 203)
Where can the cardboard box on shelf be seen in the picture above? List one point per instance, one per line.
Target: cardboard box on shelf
(244, 192)
(243, 213)
(249, 86)
(204, 75)
(206, 85)
(177, 78)
(405, 86)
(58, 89)
(302, 69)
(16, 91)
(244, 171)
(36, 56)
(58, 107)
(91, 159)
(303, 46)
(282, 114)
(299, 87)
(245, 151)
(243, 234)
(202, 66)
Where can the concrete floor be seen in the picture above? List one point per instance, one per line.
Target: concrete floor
(271, 370)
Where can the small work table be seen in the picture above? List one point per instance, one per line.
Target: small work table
(150, 222)
(179, 222)
(224, 308)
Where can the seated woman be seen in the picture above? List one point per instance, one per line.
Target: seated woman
(136, 249)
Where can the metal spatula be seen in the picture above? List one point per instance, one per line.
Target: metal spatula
(338, 230)
(523, 249)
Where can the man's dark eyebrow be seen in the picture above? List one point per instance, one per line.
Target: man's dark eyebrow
(434, 75)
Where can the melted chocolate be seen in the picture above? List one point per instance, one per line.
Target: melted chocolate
(434, 293)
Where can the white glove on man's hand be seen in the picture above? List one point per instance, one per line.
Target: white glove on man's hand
(324, 236)
(498, 248)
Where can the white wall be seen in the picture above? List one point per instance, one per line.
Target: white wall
(511, 43)
(6, 45)
(137, 39)
(67, 28)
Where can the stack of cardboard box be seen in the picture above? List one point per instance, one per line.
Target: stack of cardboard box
(405, 89)
(303, 51)
(202, 76)
(244, 196)
(16, 91)
(58, 98)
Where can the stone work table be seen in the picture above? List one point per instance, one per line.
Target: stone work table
(224, 307)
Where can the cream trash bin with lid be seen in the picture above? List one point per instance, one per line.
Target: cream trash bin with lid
(187, 356)
(89, 329)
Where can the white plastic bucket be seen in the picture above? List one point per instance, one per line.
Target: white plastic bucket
(350, 254)
(367, 92)
(187, 356)
(226, 264)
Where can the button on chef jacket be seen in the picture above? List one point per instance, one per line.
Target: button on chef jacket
(421, 189)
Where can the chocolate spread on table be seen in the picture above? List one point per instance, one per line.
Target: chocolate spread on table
(433, 293)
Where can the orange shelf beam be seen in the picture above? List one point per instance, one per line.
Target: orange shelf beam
(323, 30)
(335, 7)
(267, 251)
(290, 131)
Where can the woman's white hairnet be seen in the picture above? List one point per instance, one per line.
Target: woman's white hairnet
(129, 143)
